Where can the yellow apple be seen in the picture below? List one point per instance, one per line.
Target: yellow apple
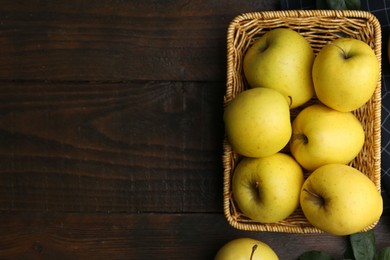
(340, 200)
(257, 122)
(246, 249)
(267, 189)
(281, 59)
(345, 74)
(322, 135)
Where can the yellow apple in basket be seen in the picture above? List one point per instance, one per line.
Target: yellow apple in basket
(345, 74)
(340, 200)
(246, 249)
(267, 189)
(257, 122)
(322, 135)
(281, 59)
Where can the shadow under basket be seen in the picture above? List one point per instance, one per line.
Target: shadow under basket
(319, 27)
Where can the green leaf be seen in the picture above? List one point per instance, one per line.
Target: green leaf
(353, 4)
(383, 254)
(363, 245)
(315, 255)
(348, 254)
(343, 4)
(336, 4)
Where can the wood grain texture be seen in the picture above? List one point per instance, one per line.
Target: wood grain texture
(126, 147)
(117, 40)
(111, 131)
(147, 236)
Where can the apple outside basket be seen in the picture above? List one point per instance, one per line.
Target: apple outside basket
(318, 27)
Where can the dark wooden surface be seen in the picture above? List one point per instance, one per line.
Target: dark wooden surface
(111, 132)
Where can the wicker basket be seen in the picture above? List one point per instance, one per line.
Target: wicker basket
(318, 27)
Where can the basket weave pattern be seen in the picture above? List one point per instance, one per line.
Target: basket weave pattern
(319, 27)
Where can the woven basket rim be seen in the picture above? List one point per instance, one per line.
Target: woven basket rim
(228, 153)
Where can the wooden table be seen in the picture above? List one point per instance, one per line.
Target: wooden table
(111, 132)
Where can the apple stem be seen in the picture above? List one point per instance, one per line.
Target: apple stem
(253, 251)
(318, 197)
(342, 50)
(301, 137)
(291, 100)
(311, 193)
